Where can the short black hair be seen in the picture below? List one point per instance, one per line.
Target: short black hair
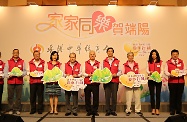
(54, 52)
(73, 54)
(36, 51)
(109, 49)
(174, 51)
(15, 49)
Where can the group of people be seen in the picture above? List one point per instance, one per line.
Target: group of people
(74, 68)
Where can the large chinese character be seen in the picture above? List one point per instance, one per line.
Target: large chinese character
(55, 21)
(143, 29)
(130, 28)
(85, 26)
(101, 22)
(71, 22)
(118, 28)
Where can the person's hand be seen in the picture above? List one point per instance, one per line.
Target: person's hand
(114, 75)
(10, 76)
(151, 72)
(75, 76)
(82, 94)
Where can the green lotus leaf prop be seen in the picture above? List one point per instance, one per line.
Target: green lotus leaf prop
(101, 76)
(156, 77)
(53, 75)
(16, 72)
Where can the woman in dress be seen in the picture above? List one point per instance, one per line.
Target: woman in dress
(52, 88)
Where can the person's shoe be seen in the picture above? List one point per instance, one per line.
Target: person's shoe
(153, 111)
(75, 114)
(172, 112)
(139, 113)
(32, 112)
(113, 113)
(157, 112)
(67, 114)
(88, 114)
(39, 112)
(18, 112)
(10, 112)
(107, 114)
(128, 113)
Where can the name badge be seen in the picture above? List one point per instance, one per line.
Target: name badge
(136, 69)
(178, 65)
(19, 65)
(40, 66)
(76, 69)
(0, 66)
(115, 65)
(158, 65)
(95, 67)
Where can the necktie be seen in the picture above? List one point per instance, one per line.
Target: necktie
(175, 62)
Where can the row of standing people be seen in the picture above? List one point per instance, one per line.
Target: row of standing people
(73, 67)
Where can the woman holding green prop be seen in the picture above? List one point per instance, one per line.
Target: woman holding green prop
(52, 88)
(154, 71)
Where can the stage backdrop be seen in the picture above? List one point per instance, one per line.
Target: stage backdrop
(80, 29)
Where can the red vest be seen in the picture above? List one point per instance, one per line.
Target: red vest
(155, 66)
(171, 67)
(128, 68)
(72, 71)
(50, 66)
(12, 64)
(2, 65)
(113, 68)
(33, 68)
(89, 69)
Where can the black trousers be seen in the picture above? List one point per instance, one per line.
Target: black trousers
(175, 100)
(1, 93)
(14, 89)
(74, 108)
(90, 88)
(36, 90)
(111, 90)
(152, 86)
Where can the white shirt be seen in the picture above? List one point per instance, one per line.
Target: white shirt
(166, 67)
(84, 68)
(36, 64)
(110, 62)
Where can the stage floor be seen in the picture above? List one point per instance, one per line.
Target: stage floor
(45, 117)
